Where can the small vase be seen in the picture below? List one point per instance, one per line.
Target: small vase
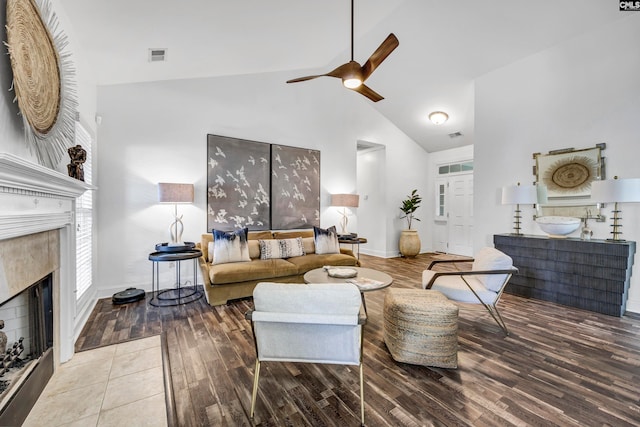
(409, 243)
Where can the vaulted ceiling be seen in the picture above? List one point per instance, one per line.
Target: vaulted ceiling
(444, 45)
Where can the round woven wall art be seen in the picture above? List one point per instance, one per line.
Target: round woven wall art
(570, 175)
(41, 79)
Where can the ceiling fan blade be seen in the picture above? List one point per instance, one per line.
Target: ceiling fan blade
(384, 50)
(345, 70)
(340, 72)
(303, 79)
(369, 93)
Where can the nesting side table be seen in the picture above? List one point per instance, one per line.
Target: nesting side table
(180, 294)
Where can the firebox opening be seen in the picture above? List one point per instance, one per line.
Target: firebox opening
(26, 350)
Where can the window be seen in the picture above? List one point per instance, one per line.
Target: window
(455, 168)
(441, 193)
(84, 220)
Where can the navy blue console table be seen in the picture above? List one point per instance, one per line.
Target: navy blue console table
(588, 274)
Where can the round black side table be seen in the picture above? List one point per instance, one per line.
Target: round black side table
(180, 294)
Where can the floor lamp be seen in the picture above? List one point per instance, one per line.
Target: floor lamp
(345, 201)
(616, 191)
(176, 194)
(519, 195)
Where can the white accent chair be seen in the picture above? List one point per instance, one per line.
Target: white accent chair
(308, 323)
(483, 284)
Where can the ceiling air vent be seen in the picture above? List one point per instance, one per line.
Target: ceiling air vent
(455, 134)
(157, 55)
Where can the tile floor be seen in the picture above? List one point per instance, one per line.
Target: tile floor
(116, 385)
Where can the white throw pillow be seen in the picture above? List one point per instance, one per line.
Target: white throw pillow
(281, 248)
(230, 246)
(326, 240)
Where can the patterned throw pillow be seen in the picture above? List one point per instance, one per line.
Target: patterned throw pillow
(230, 246)
(326, 240)
(281, 248)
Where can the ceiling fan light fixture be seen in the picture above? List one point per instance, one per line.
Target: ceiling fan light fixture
(438, 117)
(352, 83)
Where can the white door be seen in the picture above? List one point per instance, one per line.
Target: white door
(460, 215)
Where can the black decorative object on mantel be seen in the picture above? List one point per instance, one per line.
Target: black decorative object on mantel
(588, 274)
(78, 156)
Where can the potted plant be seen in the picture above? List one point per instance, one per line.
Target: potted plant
(409, 239)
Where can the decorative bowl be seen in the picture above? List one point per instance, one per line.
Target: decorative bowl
(342, 273)
(558, 226)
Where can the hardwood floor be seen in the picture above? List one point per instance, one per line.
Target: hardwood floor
(559, 366)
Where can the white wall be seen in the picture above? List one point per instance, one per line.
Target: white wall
(576, 94)
(372, 176)
(156, 132)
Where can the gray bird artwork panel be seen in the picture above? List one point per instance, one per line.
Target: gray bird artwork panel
(238, 190)
(295, 187)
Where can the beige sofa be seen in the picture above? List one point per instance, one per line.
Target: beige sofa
(224, 282)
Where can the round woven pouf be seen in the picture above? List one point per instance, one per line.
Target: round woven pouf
(421, 327)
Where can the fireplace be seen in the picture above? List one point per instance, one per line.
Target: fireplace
(26, 350)
(37, 265)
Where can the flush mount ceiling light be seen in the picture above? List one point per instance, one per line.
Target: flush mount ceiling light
(438, 117)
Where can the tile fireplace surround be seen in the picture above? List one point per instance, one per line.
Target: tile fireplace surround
(37, 237)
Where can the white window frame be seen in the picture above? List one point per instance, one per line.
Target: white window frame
(84, 224)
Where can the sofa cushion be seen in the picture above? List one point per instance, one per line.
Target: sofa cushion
(309, 245)
(254, 249)
(230, 246)
(292, 234)
(326, 240)
(257, 235)
(281, 248)
(311, 261)
(257, 269)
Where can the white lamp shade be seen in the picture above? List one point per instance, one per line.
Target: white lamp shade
(345, 200)
(519, 195)
(616, 190)
(175, 193)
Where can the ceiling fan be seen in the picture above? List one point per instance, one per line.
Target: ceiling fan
(352, 74)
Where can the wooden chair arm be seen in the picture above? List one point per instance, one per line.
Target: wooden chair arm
(439, 261)
(512, 270)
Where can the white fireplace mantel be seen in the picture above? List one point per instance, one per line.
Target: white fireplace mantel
(35, 199)
(16, 172)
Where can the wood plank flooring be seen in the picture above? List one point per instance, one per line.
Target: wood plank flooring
(560, 366)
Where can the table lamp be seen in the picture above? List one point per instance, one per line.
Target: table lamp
(345, 201)
(616, 191)
(519, 195)
(176, 194)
